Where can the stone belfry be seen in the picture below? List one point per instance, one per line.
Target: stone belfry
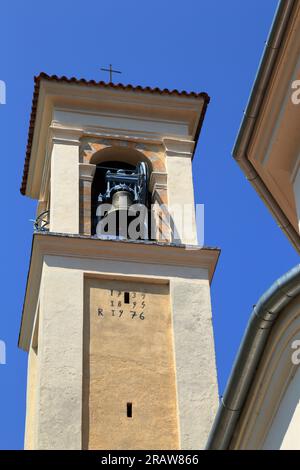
(118, 328)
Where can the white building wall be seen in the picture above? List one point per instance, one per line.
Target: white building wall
(284, 431)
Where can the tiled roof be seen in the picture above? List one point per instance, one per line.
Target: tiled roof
(101, 84)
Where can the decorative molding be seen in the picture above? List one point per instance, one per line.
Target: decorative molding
(190, 262)
(178, 147)
(65, 135)
(112, 134)
(134, 251)
(120, 123)
(164, 116)
(158, 180)
(87, 171)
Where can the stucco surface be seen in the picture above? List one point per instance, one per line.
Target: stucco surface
(59, 406)
(195, 360)
(128, 358)
(64, 206)
(164, 365)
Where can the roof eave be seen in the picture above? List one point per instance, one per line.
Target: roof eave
(43, 76)
(253, 109)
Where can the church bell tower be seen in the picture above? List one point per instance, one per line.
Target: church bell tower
(117, 313)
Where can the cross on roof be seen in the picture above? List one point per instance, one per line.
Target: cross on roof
(111, 71)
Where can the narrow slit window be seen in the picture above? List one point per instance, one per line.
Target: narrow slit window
(126, 297)
(129, 410)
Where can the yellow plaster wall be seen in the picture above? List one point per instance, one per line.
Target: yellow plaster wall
(128, 360)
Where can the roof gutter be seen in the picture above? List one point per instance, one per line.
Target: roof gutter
(263, 318)
(258, 93)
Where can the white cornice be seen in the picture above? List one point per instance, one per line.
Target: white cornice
(80, 247)
(87, 171)
(72, 92)
(178, 147)
(138, 252)
(65, 135)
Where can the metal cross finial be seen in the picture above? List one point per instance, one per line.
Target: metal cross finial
(111, 71)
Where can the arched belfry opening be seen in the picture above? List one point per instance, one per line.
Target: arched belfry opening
(120, 200)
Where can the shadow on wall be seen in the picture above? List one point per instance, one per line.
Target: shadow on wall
(285, 426)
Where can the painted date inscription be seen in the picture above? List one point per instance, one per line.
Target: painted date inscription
(124, 304)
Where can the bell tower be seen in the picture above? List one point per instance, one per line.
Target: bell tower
(117, 313)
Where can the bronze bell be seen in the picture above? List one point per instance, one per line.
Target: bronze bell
(122, 200)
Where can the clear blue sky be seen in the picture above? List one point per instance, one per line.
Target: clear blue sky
(200, 45)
